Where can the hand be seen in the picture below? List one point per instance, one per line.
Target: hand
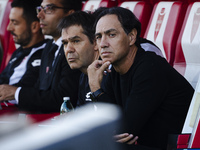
(126, 138)
(95, 74)
(7, 92)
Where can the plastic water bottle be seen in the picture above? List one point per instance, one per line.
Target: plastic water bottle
(66, 106)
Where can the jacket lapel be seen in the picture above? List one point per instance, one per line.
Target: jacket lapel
(57, 60)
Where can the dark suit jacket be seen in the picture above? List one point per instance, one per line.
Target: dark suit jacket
(63, 82)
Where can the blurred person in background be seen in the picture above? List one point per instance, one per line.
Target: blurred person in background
(23, 67)
(56, 79)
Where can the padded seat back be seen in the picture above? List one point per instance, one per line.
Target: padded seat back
(92, 5)
(142, 11)
(164, 26)
(187, 57)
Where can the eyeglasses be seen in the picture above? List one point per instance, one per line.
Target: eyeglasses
(48, 9)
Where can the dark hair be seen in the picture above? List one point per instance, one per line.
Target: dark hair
(72, 4)
(29, 9)
(98, 11)
(127, 19)
(80, 18)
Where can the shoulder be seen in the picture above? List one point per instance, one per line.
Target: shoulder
(148, 62)
(47, 45)
(150, 46)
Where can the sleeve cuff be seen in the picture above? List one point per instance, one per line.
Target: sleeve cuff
(17, 94)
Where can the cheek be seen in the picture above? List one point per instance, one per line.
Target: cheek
(122, 45)
(65, 54)
(98, 44)
(65, 49)
(18, 30)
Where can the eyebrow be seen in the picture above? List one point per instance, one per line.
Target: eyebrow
(49, 5)
(74, 37)
(71, 38)
(13, 20)
(106, 32)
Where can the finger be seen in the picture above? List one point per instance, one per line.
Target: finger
(97, 63)
(126, 139)
(107, 71)
(104, 66)
(1, 98)
(133, 140)
(119, 136)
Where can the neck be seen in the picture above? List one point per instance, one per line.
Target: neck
(125, 64)
(56, 38)
(35, 39)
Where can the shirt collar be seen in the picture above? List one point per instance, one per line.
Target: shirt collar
(58, 42)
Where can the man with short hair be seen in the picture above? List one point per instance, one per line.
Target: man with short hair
(56, 79)
(154, 97)
(23, 67)
(79, 46)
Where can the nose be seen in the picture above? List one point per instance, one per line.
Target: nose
(9, 27)
(103, 43)
(41, 14)
(68, 49)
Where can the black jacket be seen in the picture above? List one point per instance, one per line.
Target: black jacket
(63, 82)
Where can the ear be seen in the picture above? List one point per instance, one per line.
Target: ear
(35, 26)
(70, 12)
(132, 37)
(95, 46)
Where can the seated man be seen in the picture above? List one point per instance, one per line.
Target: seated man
(154, 97)
(23, 67)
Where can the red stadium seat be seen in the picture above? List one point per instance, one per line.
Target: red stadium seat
(164, 26)
(187, 57)
(141, 10)
(92, 5)
(7, 42)
(152, 2)
(1, 51)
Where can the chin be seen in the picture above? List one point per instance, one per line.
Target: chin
(107, 59)
(73, 67)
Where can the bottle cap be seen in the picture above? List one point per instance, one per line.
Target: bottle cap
(66, 98)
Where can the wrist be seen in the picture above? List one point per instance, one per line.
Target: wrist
(95, 95)
(94, 88)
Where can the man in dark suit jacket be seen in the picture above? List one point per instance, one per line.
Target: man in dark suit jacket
(56, 79)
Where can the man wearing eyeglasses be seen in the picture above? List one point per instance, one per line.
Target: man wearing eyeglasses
(56, 79)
